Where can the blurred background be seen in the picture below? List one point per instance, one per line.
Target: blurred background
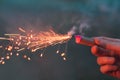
(98, 17)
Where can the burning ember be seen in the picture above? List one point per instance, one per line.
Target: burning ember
(84, 40)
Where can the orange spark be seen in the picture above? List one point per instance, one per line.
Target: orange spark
(25, 56)
(1, 46)
(7, 57)
(28, 58)
(57, 51)
(17, 54)
(41, 55)
(33, 42)
(64, 58)
(10, 48)
(11, 53)
(63, 54)
(3, 62)
(22, 30)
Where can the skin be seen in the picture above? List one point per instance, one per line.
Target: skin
(107, 51)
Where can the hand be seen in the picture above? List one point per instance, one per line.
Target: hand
(107, 51)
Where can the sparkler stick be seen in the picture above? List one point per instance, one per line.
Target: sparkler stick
(84, 40)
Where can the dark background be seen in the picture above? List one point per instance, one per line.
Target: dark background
(102, 17)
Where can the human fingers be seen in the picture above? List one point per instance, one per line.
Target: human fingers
(98, 51)
(115, 73)
(105, 60)
(109, 39)
(108, 44)
(108, 68)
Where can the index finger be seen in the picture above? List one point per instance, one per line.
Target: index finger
(99, 51)
(108, 43)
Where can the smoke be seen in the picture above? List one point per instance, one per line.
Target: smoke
(61, 14)
(100, 16)
(72, 31)
(84, 26)
(81, 28)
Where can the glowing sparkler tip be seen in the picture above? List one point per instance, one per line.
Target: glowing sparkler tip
(78, 38)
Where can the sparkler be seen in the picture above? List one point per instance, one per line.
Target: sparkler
(84, 40)
(32, 42)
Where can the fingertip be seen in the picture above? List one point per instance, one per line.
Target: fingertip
(103, 69)
(105, 60)
(108, 68)
(94, 50)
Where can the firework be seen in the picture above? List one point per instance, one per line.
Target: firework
(32, 42)
(84, 40)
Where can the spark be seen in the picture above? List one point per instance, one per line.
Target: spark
(64, 58)
(7, 57)
(11, 53)
(1, 38)
(28, 58)
(41, 55)
(63, 54)
(10, 48)
(57, 51)
(1, 46)
(31, 41)
(11, 35)
(3, 62)
(22, 30)
(2, 58)
(25, 56)
(17, 54)
(20, 49)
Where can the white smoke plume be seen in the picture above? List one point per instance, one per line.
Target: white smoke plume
(83, 27)
(72, 31)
